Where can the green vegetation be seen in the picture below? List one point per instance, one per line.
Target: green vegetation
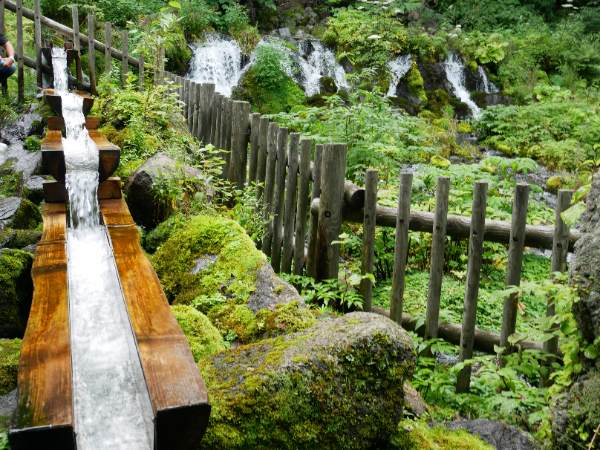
(9, 363)
(15, 291)
(418, 435)
(204, 339)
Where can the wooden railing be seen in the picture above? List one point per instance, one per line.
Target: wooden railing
(74, 35)
(307, 199)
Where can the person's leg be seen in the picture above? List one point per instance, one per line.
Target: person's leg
(6, 72)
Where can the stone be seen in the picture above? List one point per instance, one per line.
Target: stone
(33, 188)
(271, 290)
(576, 414)
(8, 408)
(16, 291)
(500, 435)
(413, 401)
(417, 435)
(18, 212)
(204, 339)
(585, 269)
(145, 204)
(337, 384)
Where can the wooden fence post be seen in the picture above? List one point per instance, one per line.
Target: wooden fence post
(560, 250)
(261, 161)
(77, 45)
(227, 122)
(209, 104)
(401, 247)
(159, 70)
(313, 231)
(279, 198)
(20, 54)
(38, 40)
(253, 159)
(240, 119)
(467, 335)
(141, 72)
(107, 49)
(438, 245)
(289, 210)
(195, 108)
(333, 177)
(269, 185)
(92, 51)
(2, 30)
(125, 60)
(515, 260)
(218, 113)
(302, 205)
(369, 227)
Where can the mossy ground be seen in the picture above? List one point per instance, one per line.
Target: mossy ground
(9, 364)
(414, 435)
(15, 291)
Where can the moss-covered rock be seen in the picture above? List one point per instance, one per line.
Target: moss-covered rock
(205, 340)
(16, 290)
(9, 364)
(10, 238)
(19, 212)
(159, 235)
(236, 322)
(338, 384)
(284, 318)
(417, 435)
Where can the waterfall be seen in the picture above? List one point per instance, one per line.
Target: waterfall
(398, 67)
(318, 61)
(485, 84)
(111, 404)
(218, 60)
(455, 73)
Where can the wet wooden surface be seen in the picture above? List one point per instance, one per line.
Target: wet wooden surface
(45, 383)
(177, 391)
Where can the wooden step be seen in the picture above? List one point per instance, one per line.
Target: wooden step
(45, 392)
(177, 392)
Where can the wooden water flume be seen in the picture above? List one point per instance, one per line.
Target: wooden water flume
(45, 392)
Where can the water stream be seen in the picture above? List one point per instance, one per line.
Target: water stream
(398, 67)
(455, 73)
(111, 404)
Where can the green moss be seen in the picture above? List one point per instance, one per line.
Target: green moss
(285, 318)
(9, 364)
(10, 238)
(321, 388)
(156, 237)
(418, 436)
(28, 216)
(204, 339)
(16, 289)
(416, 85)
(33, 143)
(236, 322)
(233, 274)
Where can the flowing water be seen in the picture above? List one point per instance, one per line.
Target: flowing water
(398, 67)
(485, 84)
(455, 73)
(219, 60)
(111, 404)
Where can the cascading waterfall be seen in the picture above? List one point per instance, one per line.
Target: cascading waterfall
(218, 60)
(111, 404)
(398, 67)
(486, 85)
(455, 73)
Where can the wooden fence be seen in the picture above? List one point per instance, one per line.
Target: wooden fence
(306, 197)
(79, 42)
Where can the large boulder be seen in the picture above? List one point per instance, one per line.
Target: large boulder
(204, 339)
(419, 435)
(147, 200)
(576, 414)
(585, 270)
(338, 384)
(18, 212)
(16, 290)
(500, 435)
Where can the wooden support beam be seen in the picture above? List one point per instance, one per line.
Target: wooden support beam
(107, 53)
(240, 123)
(368, 242)
(91, 19)
(38, 41)
(253, 159)
(125, 57)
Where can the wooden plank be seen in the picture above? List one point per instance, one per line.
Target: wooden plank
(311, 261)
(38, 41)
(369, 227)
(261, 160)
(560, 250)
(438, 245)
(91, 19)
(253, 159)
(77, 45)
(45, 394)
(125, 58)
(141, 73)
(177, 392)
(20, 53)
(279, 198)
(289, 209)
(401, 247)
(467, 335)
(302, 205)
(515, 260)
(238, 162)
(108, 42)
(333, 171)
(269, 185)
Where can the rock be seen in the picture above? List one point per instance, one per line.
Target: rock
(417, 435)
(585, 270)
(33, 188)
(145, 204)
(9, 365)
(18, 212)
(10, 238)
(16, 290)
(498, 434)
(205, 340)
(270, 290)
(413, 401)
(8, 408)
(576, 414)
(335, 385)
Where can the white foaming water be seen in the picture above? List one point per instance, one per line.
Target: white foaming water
(455, 73)
(398, 67)
(318, 61)
(111, 404)
(218, 60)
(487, 86)
(59, 66)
